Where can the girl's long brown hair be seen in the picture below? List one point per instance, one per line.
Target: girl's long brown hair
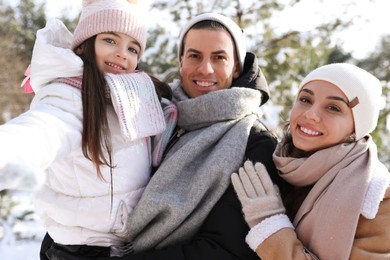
(96, 141)
(95, 135)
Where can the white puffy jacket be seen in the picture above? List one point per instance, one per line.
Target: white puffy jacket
(75, 204)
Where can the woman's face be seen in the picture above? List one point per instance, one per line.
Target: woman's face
(320, 117)
(116, 53)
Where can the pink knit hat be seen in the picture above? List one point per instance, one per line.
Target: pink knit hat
(98, 16)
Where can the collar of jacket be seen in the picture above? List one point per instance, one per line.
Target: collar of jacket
(252, 77)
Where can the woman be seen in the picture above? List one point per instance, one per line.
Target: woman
(339, 200)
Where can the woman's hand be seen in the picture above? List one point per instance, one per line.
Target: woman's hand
(259, 197)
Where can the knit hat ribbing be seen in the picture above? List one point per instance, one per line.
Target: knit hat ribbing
(98, 16)
(355, 83)
(235, 31)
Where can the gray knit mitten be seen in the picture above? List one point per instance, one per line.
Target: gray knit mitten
(259, 197)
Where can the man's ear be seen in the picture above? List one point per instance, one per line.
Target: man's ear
(237, 70)
(181, 63)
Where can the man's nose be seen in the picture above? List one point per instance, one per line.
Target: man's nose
(205, 67)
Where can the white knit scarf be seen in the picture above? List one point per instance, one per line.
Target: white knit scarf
(135, 102)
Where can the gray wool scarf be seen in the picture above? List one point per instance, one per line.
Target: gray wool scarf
(196, 171)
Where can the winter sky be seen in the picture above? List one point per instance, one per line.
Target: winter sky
(360, 39)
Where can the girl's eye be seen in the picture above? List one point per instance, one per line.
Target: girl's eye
(109, 40)
(133, 50)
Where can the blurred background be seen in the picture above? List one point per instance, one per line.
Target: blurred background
(289, 37)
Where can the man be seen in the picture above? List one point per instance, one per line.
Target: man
(189, 209)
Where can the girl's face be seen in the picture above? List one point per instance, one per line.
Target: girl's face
(116, 53)
(320, 117)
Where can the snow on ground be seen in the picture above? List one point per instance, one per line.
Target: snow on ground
(21, 250)
(21, 231)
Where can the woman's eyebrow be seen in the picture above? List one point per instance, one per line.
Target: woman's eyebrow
(337, 98)
(308, 91)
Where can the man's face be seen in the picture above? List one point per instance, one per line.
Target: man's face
(208, 62)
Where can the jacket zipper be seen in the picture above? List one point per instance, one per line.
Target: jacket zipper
(174, 138)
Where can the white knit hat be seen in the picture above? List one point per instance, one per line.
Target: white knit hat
(235, 31)
(361, 88)
(98, 16)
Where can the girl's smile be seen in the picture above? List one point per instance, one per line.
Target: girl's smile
(116, 53)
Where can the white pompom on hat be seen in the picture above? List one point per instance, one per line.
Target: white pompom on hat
(235, 31)
(361, 88)
(99, 16)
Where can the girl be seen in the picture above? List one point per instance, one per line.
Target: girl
(89, 127)
(339, 200)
